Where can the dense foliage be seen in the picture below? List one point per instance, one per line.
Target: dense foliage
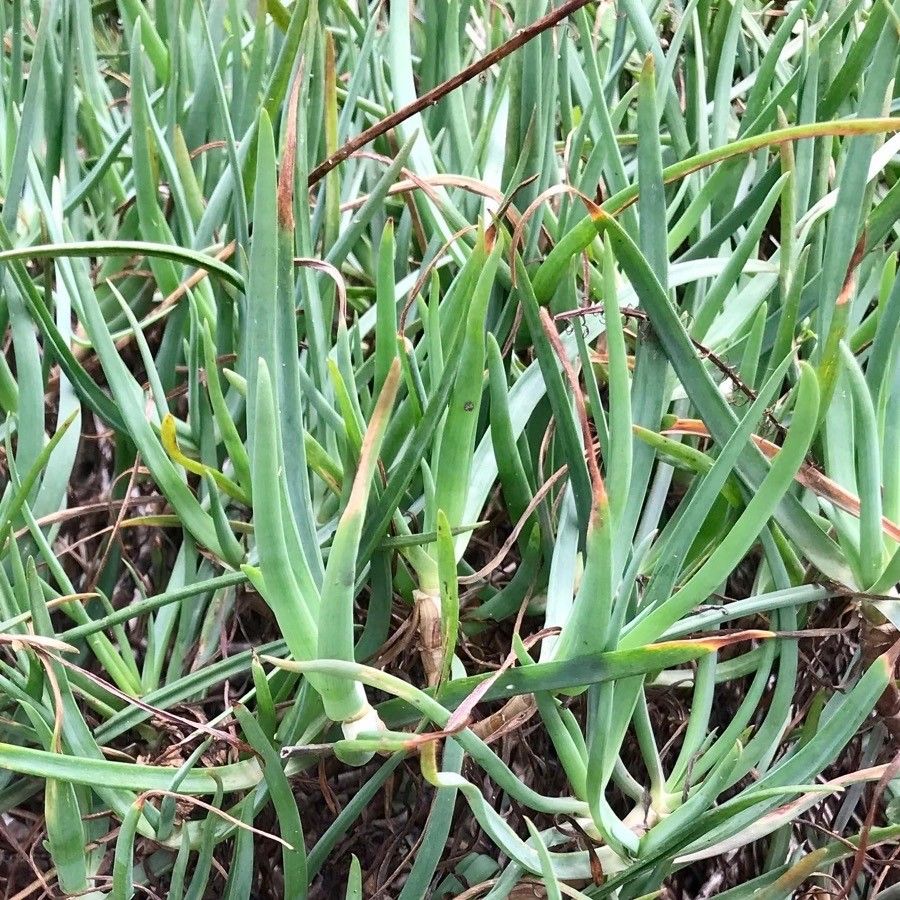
(508, 506)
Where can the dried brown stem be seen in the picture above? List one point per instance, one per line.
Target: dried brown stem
(597, 484)
(519, 39)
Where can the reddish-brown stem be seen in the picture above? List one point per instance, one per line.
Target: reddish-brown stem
(519, 39)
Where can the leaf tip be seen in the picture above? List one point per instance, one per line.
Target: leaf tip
(285, 199)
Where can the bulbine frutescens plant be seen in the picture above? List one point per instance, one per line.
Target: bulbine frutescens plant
(422, 396)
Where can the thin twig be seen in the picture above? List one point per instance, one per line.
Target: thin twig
(500, 555)
(160, 713)
(214, 810)
(727, 370)
(519, 39)
(599, 488)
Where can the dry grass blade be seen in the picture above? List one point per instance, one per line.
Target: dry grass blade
(808, 475)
